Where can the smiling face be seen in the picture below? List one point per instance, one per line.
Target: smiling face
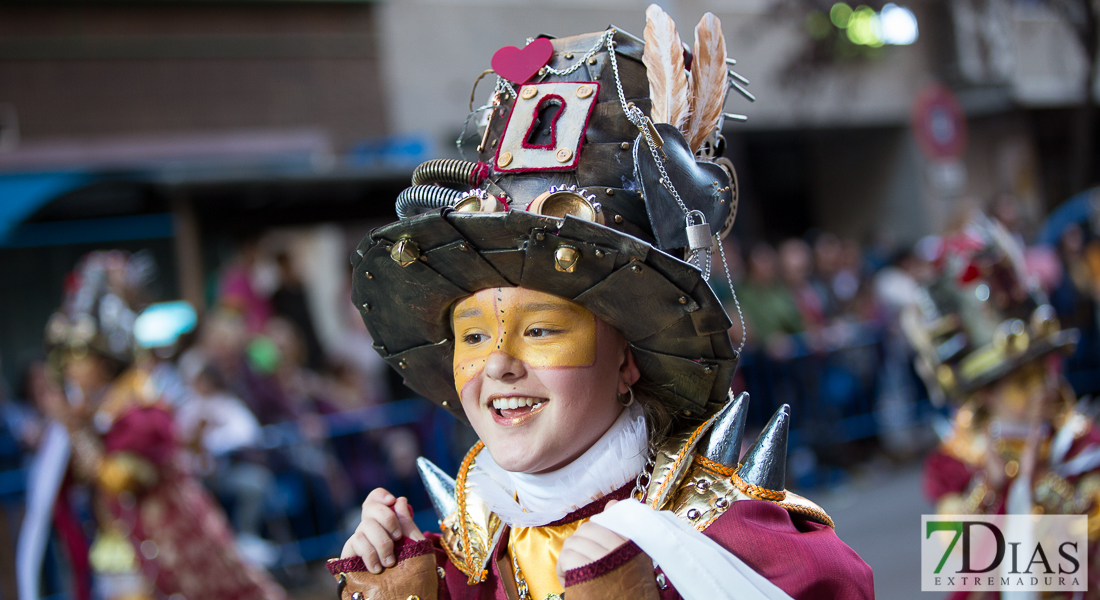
(538, 376)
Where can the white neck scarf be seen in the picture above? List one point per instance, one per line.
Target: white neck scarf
(615, 459)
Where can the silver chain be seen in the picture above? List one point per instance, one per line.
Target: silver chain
(582, 60)
(638, 119)
(736, 303)
(521, 583)
(644, 476)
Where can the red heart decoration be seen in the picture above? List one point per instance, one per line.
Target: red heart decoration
(519, 65)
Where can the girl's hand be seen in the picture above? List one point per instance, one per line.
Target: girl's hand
(385, 520)
(588, 544)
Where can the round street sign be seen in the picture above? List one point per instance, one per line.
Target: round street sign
(939, 123)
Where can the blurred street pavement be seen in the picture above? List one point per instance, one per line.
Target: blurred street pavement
(878, 514)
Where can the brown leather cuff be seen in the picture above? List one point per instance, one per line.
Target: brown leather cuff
(625, 573)
(414, 576)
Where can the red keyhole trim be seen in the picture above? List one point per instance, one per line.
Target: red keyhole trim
(553, 143)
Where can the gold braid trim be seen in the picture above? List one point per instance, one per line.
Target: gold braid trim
(679, 459)
(758, 492)
(717, 467)
(810, 512)
(473, 573)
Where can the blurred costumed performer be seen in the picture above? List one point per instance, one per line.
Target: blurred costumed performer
(989, 343)
(159, 534)
(545, 293)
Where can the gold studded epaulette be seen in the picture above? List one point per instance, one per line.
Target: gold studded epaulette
(471, 531)
(699, 488)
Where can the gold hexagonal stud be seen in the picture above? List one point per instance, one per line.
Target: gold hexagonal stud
(405, 252)
(566, 258)
(528, 92)
(504, 159)
(584, 91)
(564, 155)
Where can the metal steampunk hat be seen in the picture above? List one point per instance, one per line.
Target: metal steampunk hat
(97, 314)
(597, 179)
(981, 318)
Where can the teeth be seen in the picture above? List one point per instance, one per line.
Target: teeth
(516, 402)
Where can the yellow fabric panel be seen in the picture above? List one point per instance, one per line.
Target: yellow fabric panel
(537, 550)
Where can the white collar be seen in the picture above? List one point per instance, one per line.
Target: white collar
(615, 459)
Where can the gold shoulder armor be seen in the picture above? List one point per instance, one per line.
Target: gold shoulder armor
(699, 489)
(471, 531)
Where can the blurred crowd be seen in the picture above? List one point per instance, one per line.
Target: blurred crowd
(821, 332)
(288, 433)
(279, 424)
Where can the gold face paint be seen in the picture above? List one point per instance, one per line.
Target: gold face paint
(541, 330)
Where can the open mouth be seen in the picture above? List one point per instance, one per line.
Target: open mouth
(511, 408)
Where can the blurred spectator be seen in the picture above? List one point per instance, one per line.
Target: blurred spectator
(796, 266)
(360, 372)
(827, 264)
(237, 288)
(1075, 301)
(216, 424)
(771, 312)
(290, 302)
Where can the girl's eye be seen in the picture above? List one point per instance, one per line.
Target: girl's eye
(474, 338)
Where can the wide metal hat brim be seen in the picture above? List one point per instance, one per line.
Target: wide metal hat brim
(1059, 341)
(676, 326)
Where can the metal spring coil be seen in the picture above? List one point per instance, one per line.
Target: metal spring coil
(419, 198)
(450, 171)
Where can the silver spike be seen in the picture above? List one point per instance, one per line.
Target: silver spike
(440, 486)
(739, 77)
(731, 61)
(735, 117)
(765, 464)
(724, 444)
(741, 90)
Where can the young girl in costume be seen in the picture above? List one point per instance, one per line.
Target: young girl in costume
(559, 303)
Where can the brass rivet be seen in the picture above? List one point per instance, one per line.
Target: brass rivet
(542, 71)
(401, 363)
(564, 155)
(505, 159)
(687, 413)
(708, 369)
(568, 56)
(566, 258)
(413, 598)
(618, 218)
(722, 503)
(636, 268)
(357, 596)
(405, 252)
(599, 253)
(528, 92)
(683, 299)
(439, 571)
(591, 60)
(369, 274)
(701, 485)
(464, 247)
(625, 145)
(584, 91)
(609, 192)
(540, 236)
(693, 513)
(446, 403)
(366, 306)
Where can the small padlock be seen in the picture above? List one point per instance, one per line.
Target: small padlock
(698, 235)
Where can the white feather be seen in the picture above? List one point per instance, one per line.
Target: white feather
(664, 62)
(708, 80)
